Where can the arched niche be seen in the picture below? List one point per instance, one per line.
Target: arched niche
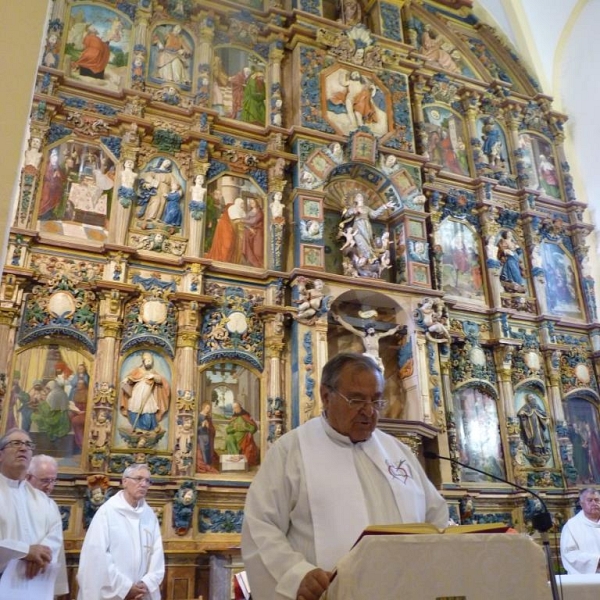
(375, 316)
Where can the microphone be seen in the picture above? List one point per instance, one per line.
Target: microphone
(541, 521)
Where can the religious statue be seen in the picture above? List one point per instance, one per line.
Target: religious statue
(33, 155)
(369, 336)
(534, 426)
(364, 255)
(433, 316)
(510, 256)
(96, 495)
(350, 12)
(145, 395)
(240, 432)
(310, 299)
(183, 507)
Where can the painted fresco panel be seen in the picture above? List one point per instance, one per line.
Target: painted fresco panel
(446, 139)
(76, 191)
(233, 393)
(49, 399)
(561, 282)
(238, 85)
(98, 45)
(461, 266)
(235, 222)
(539, 164)
(583, 428)
(478, 434)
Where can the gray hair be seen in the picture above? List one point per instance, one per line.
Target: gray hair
(39, 460)
(131, 469)
(4, 439)
(586, 491)
(330, 374)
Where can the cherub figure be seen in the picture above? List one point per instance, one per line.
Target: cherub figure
(348, 235)
(310, 298)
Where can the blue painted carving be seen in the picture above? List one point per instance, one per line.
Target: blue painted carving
(397, 85)
(128, 8)
(57, 132)
(391, 21)
(211, 520)
(78, 321)
(312, 62)
(113, 143)
(232, 330)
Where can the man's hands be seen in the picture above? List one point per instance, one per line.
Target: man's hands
(313, 584)
(137, 592)
(39, 556)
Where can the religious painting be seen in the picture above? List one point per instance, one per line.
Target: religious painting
(76, 191)
(583, 426)
(172, 56)
(478, 434)
(354, 99)
(438, 50)
(494, 149)
(228, 436)
(562, 284)
(49, 399)
(98, 46)
(538, 162)
(446, 139)
(235, 222)
(239, 85)
(144, 397)
(462, 274)
(160, 192)
(534, 429)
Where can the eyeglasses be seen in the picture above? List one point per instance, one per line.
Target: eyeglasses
(141, 480)
(359, 403)
(45, 480)
(19, 444)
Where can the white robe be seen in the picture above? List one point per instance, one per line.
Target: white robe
(580, 545)
(278, 533)
(27, 517)
(122, 546)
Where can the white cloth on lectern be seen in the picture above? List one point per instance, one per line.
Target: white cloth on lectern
(123, 545)
(278, 541)
(580, 545)
(27, 517)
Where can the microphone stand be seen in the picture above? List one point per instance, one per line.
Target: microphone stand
(542, 521)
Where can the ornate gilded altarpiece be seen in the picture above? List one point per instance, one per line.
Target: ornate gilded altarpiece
(217, 196)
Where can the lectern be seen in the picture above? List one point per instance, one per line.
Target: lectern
(493, 566)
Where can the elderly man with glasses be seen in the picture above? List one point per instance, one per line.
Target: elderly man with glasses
(42, 475)
(122, 555)
(321, 484)
(30, 525)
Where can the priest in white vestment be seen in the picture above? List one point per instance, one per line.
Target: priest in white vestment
(321, 484)
(30, 523)
(42, 475)
(122, 556)
(580, 537)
